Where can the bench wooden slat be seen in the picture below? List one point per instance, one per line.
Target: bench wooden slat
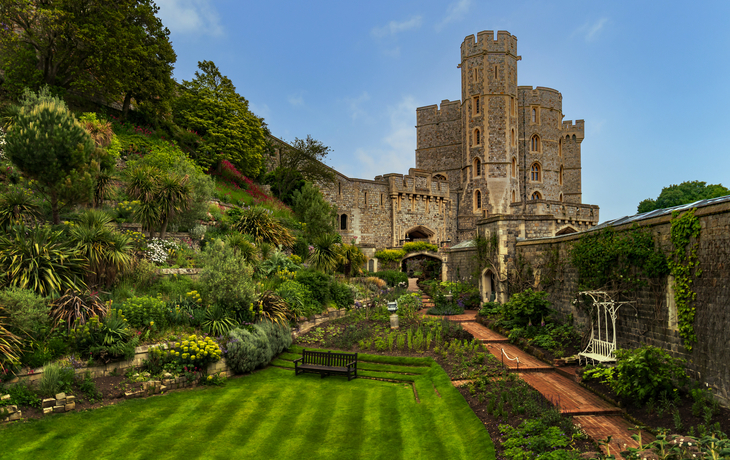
(326, 363)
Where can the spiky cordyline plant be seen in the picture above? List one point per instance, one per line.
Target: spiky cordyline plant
(273, 307)
(325, 253)
(15, 205)
(9, 346)
(39, 259)
(258, 222)
(74, 306)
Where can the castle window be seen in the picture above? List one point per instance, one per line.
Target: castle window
(365, 197)
(536, 196)
(477, 105)
(381, 199)
(513, 169)
(343, 222)
(512, 137)
(535, 143)
(573, 137)
(512, 106)
(561, 197)
(560, 179)
(513, 196)
(496, 73)
(535, 172)
(477, 137)
(339, 188)
(476, 75)
(439, 177)
(477, 200)
(560, 146)
(477, 167)
(534, 115)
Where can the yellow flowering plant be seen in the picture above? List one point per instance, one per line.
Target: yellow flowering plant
(192, 354)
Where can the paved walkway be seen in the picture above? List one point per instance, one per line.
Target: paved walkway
(598, 418)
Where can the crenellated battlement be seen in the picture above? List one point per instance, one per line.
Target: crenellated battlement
(544, 97)
(486, 43)
(577, 128)
(449, 111)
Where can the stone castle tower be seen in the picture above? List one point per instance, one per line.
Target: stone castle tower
(499, 161)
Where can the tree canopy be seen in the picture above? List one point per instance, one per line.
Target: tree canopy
(210, 106)
(302, 161)
(684, 193)
(97, 47)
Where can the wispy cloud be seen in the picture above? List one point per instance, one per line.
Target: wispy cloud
(190, 17)
(456, 11)
(355, 105)
(590, 30)
(396, 152)
(395, 27)
(296, 100)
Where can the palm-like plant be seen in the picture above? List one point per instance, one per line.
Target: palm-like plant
(15, 205)
(243, 246)
(73, 307)
(9, 346)
(351, 258)
(273, 307)
(107, 251)
(258, 222)
(217, 322)
(172, 195)
(39, 259)
(325, 255)
(141, 186)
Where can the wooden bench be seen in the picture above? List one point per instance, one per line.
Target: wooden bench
(326, 363)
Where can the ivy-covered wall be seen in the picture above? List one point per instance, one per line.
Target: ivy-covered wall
(685, 310)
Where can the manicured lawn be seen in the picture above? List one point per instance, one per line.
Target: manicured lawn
(273, 414)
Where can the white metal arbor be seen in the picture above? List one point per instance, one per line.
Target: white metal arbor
(602, 344)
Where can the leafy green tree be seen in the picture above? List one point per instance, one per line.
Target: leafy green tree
(312, 209)
(50, 147)
(210, 106)
(87, 46)
(351, 259)
(303, 160)
(684, 193)
(161, 196)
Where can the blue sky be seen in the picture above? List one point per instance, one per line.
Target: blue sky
(650, 78)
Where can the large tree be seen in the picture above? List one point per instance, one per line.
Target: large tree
(50, 147)
(684, 193)
(302, 161)
(210, 106)
(100, 47)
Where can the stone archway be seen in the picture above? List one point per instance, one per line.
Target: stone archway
(488, 286)
(420, 233)
(423, 265)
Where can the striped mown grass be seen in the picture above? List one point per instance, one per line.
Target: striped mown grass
(271, 414)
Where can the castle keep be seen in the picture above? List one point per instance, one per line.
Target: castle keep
(501, 161)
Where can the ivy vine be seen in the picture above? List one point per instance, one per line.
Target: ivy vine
(683, 266)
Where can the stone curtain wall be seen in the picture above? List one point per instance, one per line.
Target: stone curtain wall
(653, 321)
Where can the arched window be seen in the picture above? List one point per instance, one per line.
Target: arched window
(573, 137)
(560, 179)
(512, 137)
(477, 105)
(477, 137)
(535, 172)
(477, 167)
(536, 196)
(534, 115)
(477, 200)
(560, 146)
(343, 222)
(561, 197)
(535, 143)
(513, 196)
(439, 177)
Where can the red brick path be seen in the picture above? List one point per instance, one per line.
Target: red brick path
(598, 418)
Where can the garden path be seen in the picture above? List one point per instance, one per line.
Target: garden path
(598, 418)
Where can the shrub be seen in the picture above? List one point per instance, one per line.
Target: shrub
(392, 277)
(55, 379)
(259, 222)
(298, 298)
(390, 257)
(9, 347)
(21, 394)
(27, 311)
(417, 246)
(644, 373)
(526, 307)
(342, 295)
(217, 322)
(105, 340)
(279, 335)
(226, 278)
(193, 352)
(73, 307)
(318, 284)
(145, 311)
(408, 305)
(248, 349)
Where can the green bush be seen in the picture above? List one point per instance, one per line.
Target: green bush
(299, 299)
(417, 246)
(193, 352)
(143, 312)
(28, 312)
(105, 340)
(55, 379)
(408, 305)
(21, 394)
(226, 280)
(342, 295)
(526, 307)
(254, 347)
(318, 284)
(392, 277)
(644, 373)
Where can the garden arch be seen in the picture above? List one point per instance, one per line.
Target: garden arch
(488, 285)
(602, 343)
(429, 263)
